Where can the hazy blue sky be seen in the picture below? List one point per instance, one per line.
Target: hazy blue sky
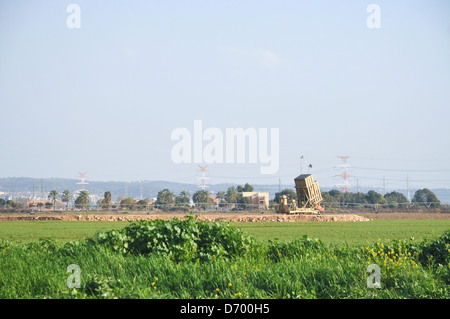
(104, 98)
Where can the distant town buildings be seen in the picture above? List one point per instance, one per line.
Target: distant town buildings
(258, 199)
(214, 201)
(38, 203)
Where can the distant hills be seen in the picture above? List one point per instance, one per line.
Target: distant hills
(26, 186)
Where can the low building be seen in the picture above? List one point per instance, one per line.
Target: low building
(258, 200)
(214, 201)
(39, 204)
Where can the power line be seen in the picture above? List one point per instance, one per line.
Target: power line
(402, 170)
(402, 179)
(402, 159)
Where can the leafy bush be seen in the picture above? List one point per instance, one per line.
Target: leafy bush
(99, 287)
(44, 244)
(102, 288)
(180, 209)
(437, 250)
(180, 240)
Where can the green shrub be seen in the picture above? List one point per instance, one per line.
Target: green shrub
(437, 250)
(99, 287)
(180, 240)
(180, 209)
(44, 244)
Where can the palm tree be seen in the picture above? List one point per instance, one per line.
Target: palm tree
(183, 199)
(202, 199)
(220, 195)
(184, 194)
(165, 198)
(107, 200)
(53, 196)
(66, 197)
(82, 200)
(221, 198)
(231, 195)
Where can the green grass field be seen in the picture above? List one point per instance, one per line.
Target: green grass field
(223, 264)
(333, 232)
(349, 232)
(31, 231)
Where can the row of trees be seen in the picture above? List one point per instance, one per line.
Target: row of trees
(82, 200)
(8, 203)
(54, 196)
(233, 198)
(422, 198)
(203, 199)
(165, 198)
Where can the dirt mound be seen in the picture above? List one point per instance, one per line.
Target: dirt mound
(24, 217)
(206, 217)
(286, 218)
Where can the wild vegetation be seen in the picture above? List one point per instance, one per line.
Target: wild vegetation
(195, 259)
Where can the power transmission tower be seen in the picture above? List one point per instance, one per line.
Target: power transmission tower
(408, 196)
(82, 176)
(345, 185)
(203, 178)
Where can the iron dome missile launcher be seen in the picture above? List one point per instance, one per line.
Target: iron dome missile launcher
(309, 197)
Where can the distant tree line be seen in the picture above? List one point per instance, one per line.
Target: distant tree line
(202, 199)
(233, 198)
(422, 198)
(166, 200)
(8, 203)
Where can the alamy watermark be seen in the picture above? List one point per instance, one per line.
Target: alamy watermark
(374, 19)
(374, 279)
(235, 145)
(74, 280)
(73, 21)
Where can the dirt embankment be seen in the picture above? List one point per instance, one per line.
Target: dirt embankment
(235, 217)
(207, 217)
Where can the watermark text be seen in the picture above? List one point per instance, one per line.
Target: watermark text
(235, 145)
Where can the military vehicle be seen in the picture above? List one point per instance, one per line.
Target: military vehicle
(308, 200)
